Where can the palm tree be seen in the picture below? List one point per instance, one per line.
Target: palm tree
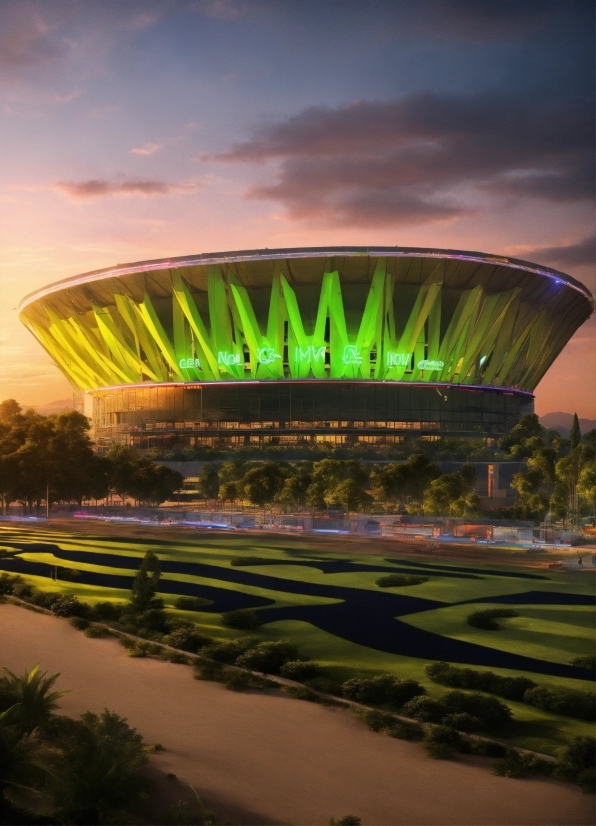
(33, 699)
(23, 762)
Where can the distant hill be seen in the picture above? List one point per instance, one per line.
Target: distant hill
(52, 408)
(562, 422)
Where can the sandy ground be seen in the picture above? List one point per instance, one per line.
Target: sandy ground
(268, 759)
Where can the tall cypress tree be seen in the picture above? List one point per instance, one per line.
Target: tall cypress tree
(146, 582)
(575, 433)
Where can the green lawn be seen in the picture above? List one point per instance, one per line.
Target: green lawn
(552, 633)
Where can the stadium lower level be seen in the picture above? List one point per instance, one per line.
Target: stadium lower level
(237, 414)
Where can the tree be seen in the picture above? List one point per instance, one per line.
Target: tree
(146, 583)
(586, 486)
(124, 462)
(33, 699)
(524, 437)
(263, 484)
(350, 495)
(229, 492)
(96, 773)
(295, 489)
(209, 481)
(23, 764)
(575, 434)
(453, 493)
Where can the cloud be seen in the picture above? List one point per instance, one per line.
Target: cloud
(223, 9)
(87, 190)
(582, 253)
(26, 40)
(411, 160)
(146, 149)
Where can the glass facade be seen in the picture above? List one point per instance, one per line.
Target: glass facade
(292, 412)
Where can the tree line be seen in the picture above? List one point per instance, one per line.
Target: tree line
(52, 458)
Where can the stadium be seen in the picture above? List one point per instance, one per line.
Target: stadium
(296, 346)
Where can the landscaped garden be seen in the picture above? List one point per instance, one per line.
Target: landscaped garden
(356, 615)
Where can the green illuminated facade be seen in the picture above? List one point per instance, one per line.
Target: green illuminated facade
(396, 319)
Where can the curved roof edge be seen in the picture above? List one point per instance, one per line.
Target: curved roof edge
(304, 252)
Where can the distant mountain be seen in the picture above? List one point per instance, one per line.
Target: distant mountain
(562, 422)
(52, 408)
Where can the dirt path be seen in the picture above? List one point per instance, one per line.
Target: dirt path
(267, 759)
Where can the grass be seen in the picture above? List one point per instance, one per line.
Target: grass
(553, 633)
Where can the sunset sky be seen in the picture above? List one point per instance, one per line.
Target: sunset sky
(135, 130)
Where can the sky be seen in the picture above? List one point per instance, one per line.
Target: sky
(137, 130)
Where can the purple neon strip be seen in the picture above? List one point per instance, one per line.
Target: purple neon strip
(242, 382)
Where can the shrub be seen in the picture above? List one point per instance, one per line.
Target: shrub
(174, 657)
(21, 589)
(241, 561)
(396, 580)
(137, 650)
(94, 631)
(229, 651)
(268, 657)
(588, 662)
(108, 611)
(300, 692)
(511, 688)
(186, 638)
(576, 763)
(154, 619)
(381, 690)
(324, 684)
(424, 709)
(578, 704)
(491, 712)
(486, 619)
(80, 623)
(375, 720)
(441, 742)
(243, 620)
(236, 680)
(346, 820)
(300, 670)
(462, 721)
(192, 603)
(69, 606)
(208, 671)
(487, 748)
(520, 764)
(406, 730)
(8, 582)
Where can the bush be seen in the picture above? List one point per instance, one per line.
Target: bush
(462, 722)
(21, 589)
(8, 582)
(511, 688)
(229, 651)
(192, 603)
(381, 690)
(486, 619)
(69, 606)
(268, 657)
(137, 650)
(487, 748)
(241, 561)
(578, 704)
(107, 611)
(375, 720)
(324, 684)
(346, 820)
(244, 620)
(175, 657)
(209, 671)
(441, 742)
(236, 680)
(301, 692)
(424, 709)
(94, 631)
(186, 638)
(520, 764)
(154, 619)
(396, 580)
(491, 712)
(80, 623)
(588, 662)
(576, 763)
(300, 670)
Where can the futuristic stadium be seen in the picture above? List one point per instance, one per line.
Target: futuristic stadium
(295, 346)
